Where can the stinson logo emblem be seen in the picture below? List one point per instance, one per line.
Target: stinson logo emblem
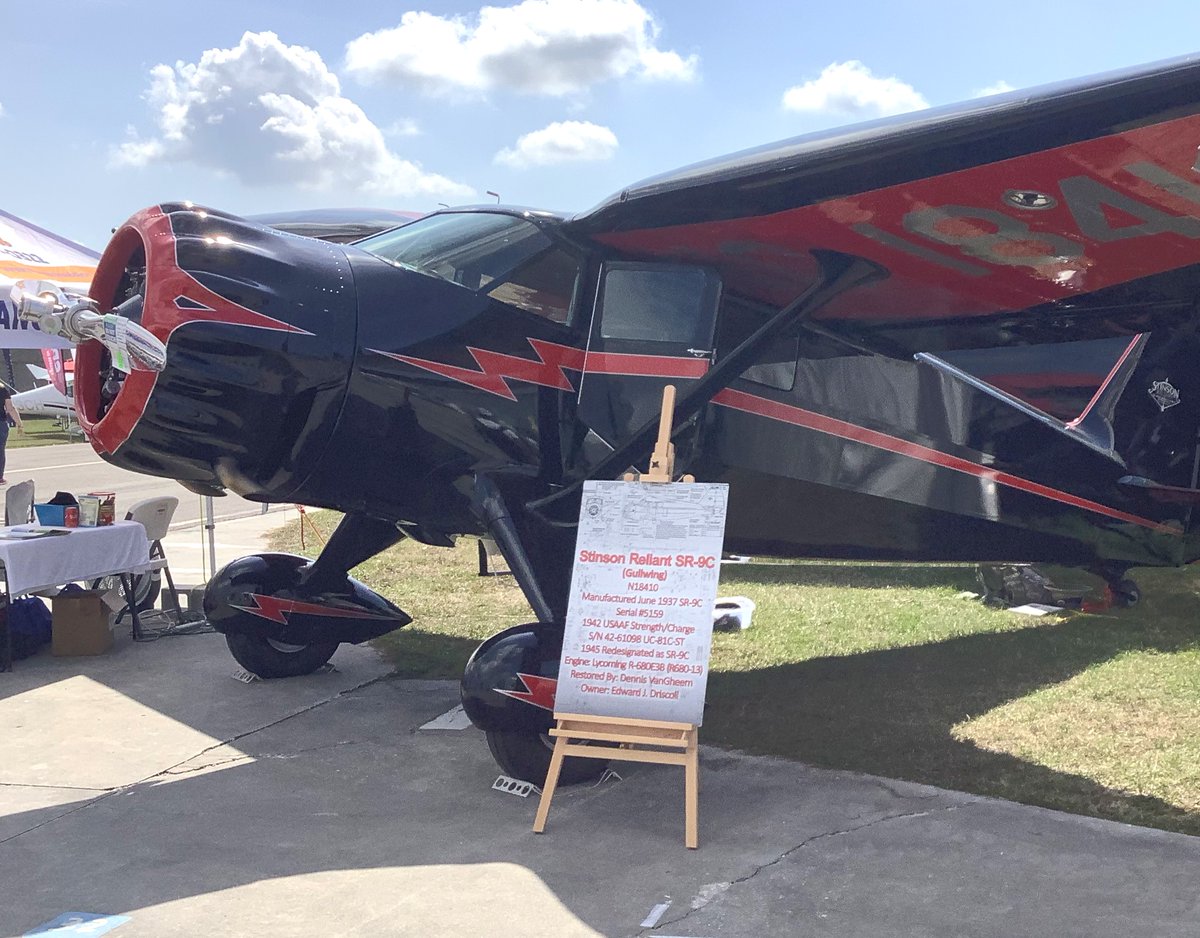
(1164, 394)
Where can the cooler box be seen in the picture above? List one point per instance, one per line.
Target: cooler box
(53, 515)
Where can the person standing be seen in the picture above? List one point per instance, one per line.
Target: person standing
(11, 419)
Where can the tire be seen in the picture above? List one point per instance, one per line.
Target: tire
(269, 659)
(526, 756)
(145, 589)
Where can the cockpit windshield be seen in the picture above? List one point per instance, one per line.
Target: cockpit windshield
(468, 248)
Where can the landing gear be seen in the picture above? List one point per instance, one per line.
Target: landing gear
(1122, 592)
(284, 616)
(269, 657)
(1125, 593)
(526, 756)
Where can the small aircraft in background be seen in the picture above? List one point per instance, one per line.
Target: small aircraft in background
(966, 334)
(47, 400)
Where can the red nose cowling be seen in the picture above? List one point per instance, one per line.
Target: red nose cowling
(260, 334)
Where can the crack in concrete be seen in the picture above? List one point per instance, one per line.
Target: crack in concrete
(713, 890)
(178, 771)
(171, 769)
(187, 768)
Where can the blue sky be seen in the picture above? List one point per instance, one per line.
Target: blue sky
(253, 106)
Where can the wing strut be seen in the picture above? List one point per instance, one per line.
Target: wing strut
(839, 273)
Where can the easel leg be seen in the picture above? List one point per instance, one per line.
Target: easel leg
(556, 761)
(691, 782)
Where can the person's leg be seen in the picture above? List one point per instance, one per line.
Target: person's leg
(3, 446)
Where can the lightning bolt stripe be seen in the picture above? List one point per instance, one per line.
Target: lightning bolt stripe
(539, 691)
(277, 610)
(496, 369)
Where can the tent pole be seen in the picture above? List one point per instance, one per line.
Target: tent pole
(210, 527)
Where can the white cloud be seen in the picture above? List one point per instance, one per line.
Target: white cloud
(269, 113)
(1000, 87)
(405, 127)
(850, 88)
(560, 142)
(548, 47)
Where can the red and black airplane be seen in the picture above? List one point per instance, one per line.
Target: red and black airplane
(967, 334)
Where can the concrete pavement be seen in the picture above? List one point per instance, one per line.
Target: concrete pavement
(188, 545)
(150, 783)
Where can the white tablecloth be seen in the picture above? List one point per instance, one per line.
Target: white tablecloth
(81, 554)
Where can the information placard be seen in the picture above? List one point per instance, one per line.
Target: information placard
(639, 619)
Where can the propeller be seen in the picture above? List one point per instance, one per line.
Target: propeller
(78, 318)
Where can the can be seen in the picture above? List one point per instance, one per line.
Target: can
(71, 516)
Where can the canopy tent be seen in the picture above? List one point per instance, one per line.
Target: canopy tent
(28, 252)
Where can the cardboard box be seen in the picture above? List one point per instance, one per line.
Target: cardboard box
(107, 512)
(80, 624)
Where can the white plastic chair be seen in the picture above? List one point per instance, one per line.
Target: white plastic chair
(155, 514)
(18, 503)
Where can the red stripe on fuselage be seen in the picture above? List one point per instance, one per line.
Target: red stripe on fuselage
(498, 368)
(797, 416)
(549, 370)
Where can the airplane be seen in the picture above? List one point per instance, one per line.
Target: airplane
(965, 334)
(46, 399)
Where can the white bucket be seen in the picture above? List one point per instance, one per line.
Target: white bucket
(732, 613)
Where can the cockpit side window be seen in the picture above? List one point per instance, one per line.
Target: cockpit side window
(658, 303)
(472, 249)
(544, 285)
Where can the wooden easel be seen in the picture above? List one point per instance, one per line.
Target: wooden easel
(622, 738)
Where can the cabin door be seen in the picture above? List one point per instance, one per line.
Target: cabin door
(652, 325)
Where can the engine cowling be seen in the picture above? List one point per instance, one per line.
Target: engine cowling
(260, 331)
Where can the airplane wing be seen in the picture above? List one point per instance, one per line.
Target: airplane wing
(1010, 218)
(28, 252)
(339, 225)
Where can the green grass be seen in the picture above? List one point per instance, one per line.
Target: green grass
(882, 668)
(40, 431)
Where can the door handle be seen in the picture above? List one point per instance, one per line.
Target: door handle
(700, 352)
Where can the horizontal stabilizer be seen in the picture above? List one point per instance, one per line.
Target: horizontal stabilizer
(1095, 435)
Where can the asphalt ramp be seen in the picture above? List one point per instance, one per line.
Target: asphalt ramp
(150, 792)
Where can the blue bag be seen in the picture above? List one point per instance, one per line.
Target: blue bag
(29, 624)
